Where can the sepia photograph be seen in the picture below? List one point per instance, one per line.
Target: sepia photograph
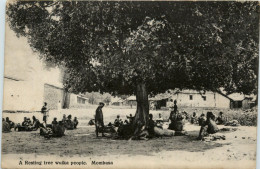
(130, 84)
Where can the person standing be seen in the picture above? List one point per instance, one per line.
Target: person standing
(174, 108)
(44, 111)
(99, 121)
(59, 106)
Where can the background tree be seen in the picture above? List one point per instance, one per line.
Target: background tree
(144, 48)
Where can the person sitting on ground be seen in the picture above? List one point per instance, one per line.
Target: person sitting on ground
(29, 121)
(117, 121)
(185, 115)
(36, 123)
(76, 122)
(69, 123)
(177, 122)
(130, 118)
(126, 122)
(54, 122)
(193, 118)
(91, 122)
(25, 122)
(202, 119)
(11, 124)
(210, 127)
(160, 119)
(64, 118)
(5, 126)
(220, 119)
(58, 129)
(150, 126)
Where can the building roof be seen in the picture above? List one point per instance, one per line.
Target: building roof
(83, 97)
(57, 87)
(12, 78)
(241, 97)
(133, 98)
(237, 96)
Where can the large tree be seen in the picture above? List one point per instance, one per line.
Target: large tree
(144, 48)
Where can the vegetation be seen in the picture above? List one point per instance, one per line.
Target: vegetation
(144, 48)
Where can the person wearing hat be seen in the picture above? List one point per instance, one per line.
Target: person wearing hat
(99, 121)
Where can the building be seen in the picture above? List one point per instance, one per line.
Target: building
(131, 101)
(57, 98)
(119, 102)
(22, 95)
(242, 101)
(193, 98)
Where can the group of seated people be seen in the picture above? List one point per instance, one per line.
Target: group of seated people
(28, 125)
(68, 122)
(128, 129)
(57, 128)
(220, 120)
(155, 128)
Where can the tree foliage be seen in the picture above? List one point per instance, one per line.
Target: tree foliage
(113, 46)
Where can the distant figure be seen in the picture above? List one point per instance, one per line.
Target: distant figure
(150, 126)
(99, 121)
(193, 118)
(159, 121)
(220, 119)
(5, 126)
(29, 121)
(210, 127)
(54, 122)
(11, 124)
(130, 118)
(117, 121)
(64, 118)
(75, 122)
(44, 111)
(58, 129)
(91, 122)
(202, 119)
(59, 105)
(174, 109)
(36, 123)
(69, 123)
(25, 123)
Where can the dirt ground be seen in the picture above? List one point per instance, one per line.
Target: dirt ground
(239, 148)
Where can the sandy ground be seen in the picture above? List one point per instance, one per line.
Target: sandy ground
(237, 151)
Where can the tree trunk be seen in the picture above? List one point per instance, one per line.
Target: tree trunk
(142, 111)
(66, 101)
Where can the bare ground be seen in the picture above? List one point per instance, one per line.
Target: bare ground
(239, 148)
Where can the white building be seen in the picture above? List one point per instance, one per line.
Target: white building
(192, 98)
(29, 82)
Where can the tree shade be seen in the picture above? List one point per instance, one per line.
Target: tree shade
(144, 48)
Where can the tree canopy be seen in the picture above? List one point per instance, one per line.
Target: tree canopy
(113, 46)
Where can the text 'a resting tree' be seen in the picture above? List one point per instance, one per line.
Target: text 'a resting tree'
(144, 48)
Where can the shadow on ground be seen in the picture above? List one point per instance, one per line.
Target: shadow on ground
(83, 142)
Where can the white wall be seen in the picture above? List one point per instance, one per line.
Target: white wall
(222, 101)
(24, 64)
(212, 100)
(22, 95)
